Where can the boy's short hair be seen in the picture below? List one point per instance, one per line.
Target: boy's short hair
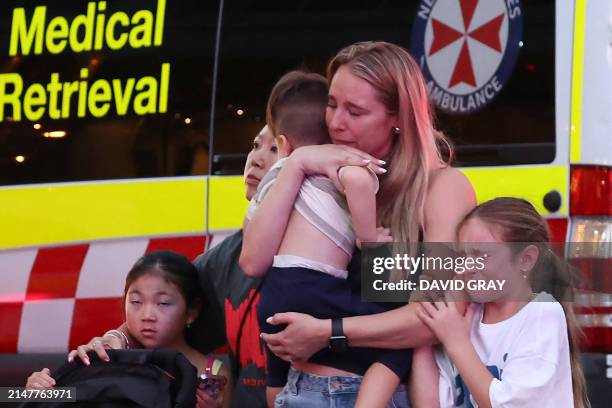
(296, 108)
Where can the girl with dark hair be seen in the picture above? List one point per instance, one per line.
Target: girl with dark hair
(161, 301)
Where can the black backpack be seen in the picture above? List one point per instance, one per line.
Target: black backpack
(132, 379)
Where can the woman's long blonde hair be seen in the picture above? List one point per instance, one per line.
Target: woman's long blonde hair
(415, 151)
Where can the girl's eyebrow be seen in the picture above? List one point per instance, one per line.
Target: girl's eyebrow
(161, 292)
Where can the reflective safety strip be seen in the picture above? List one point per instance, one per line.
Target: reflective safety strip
(81, 212)
(577, 73)
(227, 205)
(530, 183)
(77, 212)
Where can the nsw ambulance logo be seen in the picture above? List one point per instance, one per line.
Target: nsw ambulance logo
(467, 50)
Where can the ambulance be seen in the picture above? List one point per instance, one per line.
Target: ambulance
(124, 127)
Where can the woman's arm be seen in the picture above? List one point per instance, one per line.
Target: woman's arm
(399, 328)
(396, 329)
(264, 233)
(305, 335)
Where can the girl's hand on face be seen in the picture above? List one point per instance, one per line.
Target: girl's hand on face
(327, 159)
(203, 400)
(303, 336)
(41, 380)
(448, 324)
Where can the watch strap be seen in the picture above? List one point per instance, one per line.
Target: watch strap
(337, 329)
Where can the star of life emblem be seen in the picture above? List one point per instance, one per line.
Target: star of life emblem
(467, 50)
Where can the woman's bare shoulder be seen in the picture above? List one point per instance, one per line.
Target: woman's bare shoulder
(450, 197)
(449, 179)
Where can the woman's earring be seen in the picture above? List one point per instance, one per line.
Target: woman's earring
(524, 273)
(395, 130)
(189, 325)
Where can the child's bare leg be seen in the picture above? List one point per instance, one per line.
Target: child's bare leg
(424, 379)
(377, 388)
(271, 393)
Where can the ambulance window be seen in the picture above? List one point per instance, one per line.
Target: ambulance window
(93, 102)
(508, 69)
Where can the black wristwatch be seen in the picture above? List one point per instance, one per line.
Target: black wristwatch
(338, 341)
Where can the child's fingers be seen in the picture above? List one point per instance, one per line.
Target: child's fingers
(383, 230)
(441, 305)
(45, 374)
(428, 308)
(425, 318)
(450, 302)
(40, 380)
(46, 380)
(385, 238)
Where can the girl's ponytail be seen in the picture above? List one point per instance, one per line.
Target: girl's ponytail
(558, 278)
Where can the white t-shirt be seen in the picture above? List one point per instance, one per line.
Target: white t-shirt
(528, 354)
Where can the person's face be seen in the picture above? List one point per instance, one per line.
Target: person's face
(478, 239)
(156, 312)
(261, 157)
(356, 117)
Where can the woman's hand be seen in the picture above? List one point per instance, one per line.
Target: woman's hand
(303, 336)
(203, 400)
(99, 345)
(327, 159)
(41, 380)
(446, 321)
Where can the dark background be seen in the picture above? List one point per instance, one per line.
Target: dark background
(260, 40)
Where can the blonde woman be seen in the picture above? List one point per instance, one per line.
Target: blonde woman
(378, 115)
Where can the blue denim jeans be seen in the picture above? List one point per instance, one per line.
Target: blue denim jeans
(312, 391)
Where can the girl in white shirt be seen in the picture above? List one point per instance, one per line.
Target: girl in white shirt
(513, 348)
